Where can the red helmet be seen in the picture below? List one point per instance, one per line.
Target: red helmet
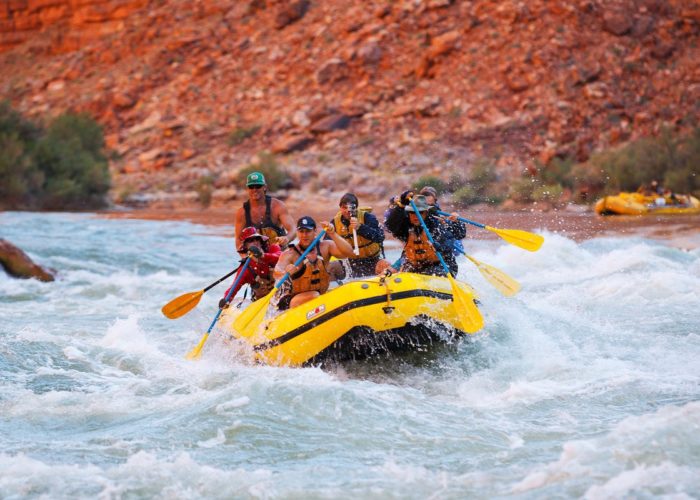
(248, 234)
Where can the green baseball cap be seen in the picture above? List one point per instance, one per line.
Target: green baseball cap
(255, 179)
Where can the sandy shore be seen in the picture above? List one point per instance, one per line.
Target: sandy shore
(682, 231)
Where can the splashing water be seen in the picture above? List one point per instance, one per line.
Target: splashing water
(587, 383)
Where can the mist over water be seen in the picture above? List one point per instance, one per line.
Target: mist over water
(587, 383)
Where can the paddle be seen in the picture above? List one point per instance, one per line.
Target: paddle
(356, 250)
(500, 280)
(468, 313)
(255, 312)
(197, 351)
(183, 304)
(523, 239)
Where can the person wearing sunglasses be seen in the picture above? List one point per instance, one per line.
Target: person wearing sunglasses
(263, 212)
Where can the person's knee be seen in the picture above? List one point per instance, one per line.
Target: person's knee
(336, 270)
(303, 297)
(382, 266)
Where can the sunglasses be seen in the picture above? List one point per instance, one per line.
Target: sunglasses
(257, 186)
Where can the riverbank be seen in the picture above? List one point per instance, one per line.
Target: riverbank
(575, 222)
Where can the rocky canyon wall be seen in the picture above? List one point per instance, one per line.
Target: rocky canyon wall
(70, 23)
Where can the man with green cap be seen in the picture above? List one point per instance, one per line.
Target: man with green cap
(265, 213)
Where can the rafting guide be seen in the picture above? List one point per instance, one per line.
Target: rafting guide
(265, 213)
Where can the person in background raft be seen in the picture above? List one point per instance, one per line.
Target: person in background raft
(263, 258)
(431, 197)
(370, 238)
(419, 256)
(265, 213)
(311, 278)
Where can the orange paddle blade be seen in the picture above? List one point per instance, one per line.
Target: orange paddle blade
(182, 304)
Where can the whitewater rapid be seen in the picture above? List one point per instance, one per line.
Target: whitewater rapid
(585, 384)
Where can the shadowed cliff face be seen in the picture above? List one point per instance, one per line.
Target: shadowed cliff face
(352, 91)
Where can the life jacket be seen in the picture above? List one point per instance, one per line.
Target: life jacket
(418, 249)
(265, 227)
(314, 275)
(367, 248)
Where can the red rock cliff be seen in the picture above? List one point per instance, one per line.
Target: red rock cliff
(71, 23)
(352, 91)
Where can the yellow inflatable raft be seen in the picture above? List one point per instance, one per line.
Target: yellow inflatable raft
(356, 320)
(639, 204)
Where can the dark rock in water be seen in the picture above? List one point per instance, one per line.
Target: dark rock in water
(18, 264)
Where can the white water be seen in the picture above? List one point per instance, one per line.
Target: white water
(586, 384)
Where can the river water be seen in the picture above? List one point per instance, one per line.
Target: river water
(587, 383)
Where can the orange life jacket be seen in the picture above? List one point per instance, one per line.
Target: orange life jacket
(367, 248)
(314, 277)
(418, 249)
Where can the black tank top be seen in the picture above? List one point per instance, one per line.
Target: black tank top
(267, 220)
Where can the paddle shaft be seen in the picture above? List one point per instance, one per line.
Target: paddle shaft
(462, 219)
(230, 292)
(221, 279)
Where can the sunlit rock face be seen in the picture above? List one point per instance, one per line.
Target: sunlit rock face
(186, 89)
(74, 22)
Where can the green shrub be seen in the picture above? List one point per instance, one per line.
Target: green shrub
(20, 178)
(547, 192)
(431, 180)
(670, 158)
(466, 195)
(558, 171)
(479, 186)
(483, 174)
(205, 189)
(62, 167)
(275, 176)
(522, 189)
(70, 155)
(240, 134)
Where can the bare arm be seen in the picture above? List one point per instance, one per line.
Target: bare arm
(282, 264)
(338, 246)
(281, 213)
(239, 222)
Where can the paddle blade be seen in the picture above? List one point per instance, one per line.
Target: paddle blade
(182, 304)
(196, 353)
(254, 313)
(468, 313)
(500, 280)
(523, 239)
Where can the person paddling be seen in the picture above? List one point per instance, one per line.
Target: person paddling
(419, 255)
(311, 278)
(266, 214)
(360, 228)
(263, 258)
(431, 197)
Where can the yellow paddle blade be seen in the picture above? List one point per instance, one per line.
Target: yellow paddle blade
(523, 239)
(182, 304)
(500, 280)
(197, 351)
(254, 313)
(468, 313)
